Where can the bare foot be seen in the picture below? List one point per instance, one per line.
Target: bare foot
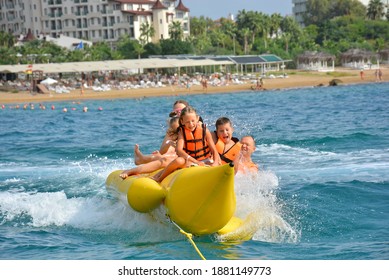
(138, 156)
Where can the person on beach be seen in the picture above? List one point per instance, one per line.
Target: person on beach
(195, 145)
(259, 84)
(158, 159)
(226, 145)
(204, 83)
(244, 164)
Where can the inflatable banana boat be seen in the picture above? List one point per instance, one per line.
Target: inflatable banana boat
(200, 200)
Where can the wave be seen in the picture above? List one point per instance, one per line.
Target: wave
(340, 142)
(77, 199)
(105, 215)
(257, 200)
(306, 164)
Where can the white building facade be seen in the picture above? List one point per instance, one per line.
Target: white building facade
(93, 20)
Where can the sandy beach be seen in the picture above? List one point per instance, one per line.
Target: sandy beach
(295, 79)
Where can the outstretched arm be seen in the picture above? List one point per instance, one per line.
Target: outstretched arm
(212, 147)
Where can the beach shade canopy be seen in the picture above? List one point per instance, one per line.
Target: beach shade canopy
(49, 81)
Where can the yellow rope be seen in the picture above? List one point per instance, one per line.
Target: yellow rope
(189, 236)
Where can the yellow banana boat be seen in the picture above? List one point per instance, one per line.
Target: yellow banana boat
(200, 200)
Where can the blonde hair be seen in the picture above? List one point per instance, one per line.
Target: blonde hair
(172, 132)
(187, 110)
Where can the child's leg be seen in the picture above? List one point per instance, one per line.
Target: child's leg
(143, 168)
(140, 158)
(173, 166)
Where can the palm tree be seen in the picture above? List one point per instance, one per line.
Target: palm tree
(138, 49)
(266, 25)
(375, 10)
(245, 33)
(198, 26)
(175, 31)
(147, 31)
(7, 39)
(275, 23)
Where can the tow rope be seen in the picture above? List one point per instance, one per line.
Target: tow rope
(189, 236)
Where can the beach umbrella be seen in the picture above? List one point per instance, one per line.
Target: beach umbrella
(49, 81)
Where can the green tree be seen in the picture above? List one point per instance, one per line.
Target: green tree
(138, 49)
(317, 11)
(321, 11)
(275, 24)
(7, 40)
(198, 26)
(175, 30)
(129, 48)
(171, 46)
(8, 56)
(245, 33)
(375, 10)
(346, 7)
(147, 32)
(100, 51)
(152, 49)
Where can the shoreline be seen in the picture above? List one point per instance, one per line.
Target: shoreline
(297, 79)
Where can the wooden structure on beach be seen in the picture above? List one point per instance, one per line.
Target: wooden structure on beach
(316, 61)
(359, 59)
(384, 56)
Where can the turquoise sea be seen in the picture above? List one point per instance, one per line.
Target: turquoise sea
(322, 192)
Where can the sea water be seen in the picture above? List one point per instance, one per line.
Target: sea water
(322, 191)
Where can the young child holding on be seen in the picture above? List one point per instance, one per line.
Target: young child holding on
(155, 161)
(194, 145)
(168, 145)
(227, 146)
(244, 164)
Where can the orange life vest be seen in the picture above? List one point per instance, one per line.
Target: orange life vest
(229, 155)
(194, 142)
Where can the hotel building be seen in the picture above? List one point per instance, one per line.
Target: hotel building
(92, 20)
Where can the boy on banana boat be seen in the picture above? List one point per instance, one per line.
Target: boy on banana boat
(193, 144)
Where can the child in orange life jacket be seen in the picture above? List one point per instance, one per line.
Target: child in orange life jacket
(244, 164)
(155, 161)
(194, 145)
(227, 146)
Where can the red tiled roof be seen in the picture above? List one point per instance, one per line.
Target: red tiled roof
(158, 6)
(181, 7)
(146, 13)
(136, 1)
(29, 36)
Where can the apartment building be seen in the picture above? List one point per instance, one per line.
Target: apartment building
(93, 20)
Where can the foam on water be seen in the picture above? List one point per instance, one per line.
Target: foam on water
(296, 163)
(257, 202)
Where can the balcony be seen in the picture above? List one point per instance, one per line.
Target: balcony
(54, 15)
(105, 11)
(54, 2)
(11, 17)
